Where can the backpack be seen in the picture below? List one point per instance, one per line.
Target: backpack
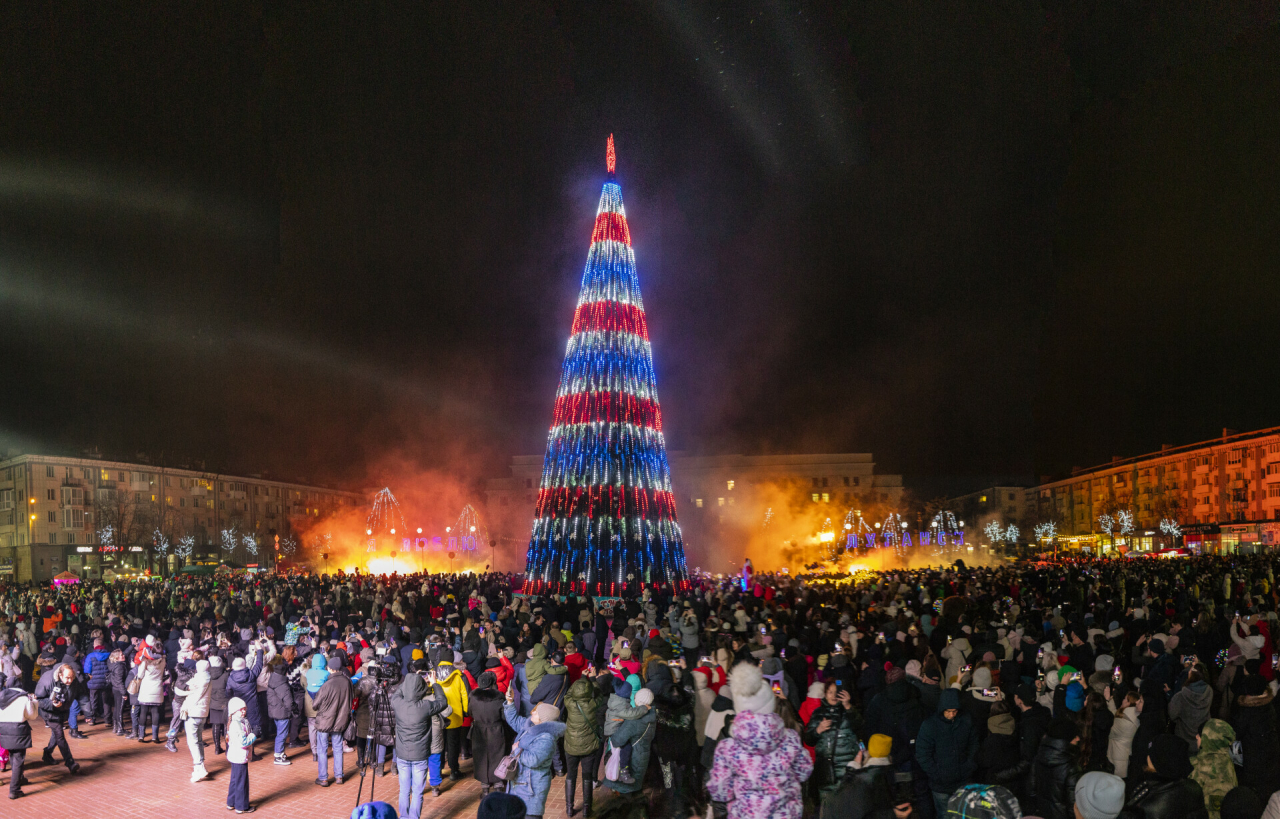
(983, 802)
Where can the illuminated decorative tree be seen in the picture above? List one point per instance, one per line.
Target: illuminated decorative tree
(945, 533)
(185, 547)
(1046, 531)
(994, 532)
(605, 511)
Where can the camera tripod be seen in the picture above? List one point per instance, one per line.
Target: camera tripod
(381, 690)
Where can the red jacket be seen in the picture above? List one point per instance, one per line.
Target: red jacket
(504, 672)
(576, 663)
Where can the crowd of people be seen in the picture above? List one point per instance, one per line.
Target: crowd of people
(1140, 688)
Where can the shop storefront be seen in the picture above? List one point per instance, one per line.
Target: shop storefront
(1239, 538)
(1202, 538)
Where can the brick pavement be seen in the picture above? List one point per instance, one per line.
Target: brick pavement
(127, 778)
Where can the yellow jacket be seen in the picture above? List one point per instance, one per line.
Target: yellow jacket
(455, 692)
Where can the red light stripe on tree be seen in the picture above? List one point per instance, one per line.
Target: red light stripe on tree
(611, 226)
(612, 407)
(610, 316)
(600, 501)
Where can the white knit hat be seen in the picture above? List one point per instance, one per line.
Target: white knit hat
(746, 683)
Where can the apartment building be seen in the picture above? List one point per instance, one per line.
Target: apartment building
(89, 515)
(1223, 493)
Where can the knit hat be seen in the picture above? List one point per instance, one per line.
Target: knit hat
(981, 678)
(374, 810)
(1156, 646)
(202, 666)
(1075, 697)
(215, 661)
(1170, 757)
(644, 697)
(816, 690)
(151, 640)
(749, 690)
(549, 713)
(1104, 662)
(1025, 693)
(1001, 724)
(237, 664)
(879, 745)
(499, 805)
(1241, 803)
(235, 704)
(894, 674)
(1099, 795)
(913, 668)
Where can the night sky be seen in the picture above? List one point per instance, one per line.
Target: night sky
(975, 239)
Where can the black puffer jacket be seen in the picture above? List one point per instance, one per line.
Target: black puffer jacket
(218, 692)
(279, 695)
(1001, 763)
(1052, 786)
(836, 747)
(117, 670)
(1166, 799)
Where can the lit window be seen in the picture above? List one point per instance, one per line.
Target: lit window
(826, 497)
(982, 499)
(698, 503)
(815, 497)
(730, 486)
(719, 501)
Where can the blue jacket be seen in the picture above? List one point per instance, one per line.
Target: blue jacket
(95, 668)
(537, 747)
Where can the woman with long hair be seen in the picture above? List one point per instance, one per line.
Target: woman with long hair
(1123, 728)
(1095, 722)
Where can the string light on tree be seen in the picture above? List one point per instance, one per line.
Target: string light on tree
(1046, 531)
(1170, 527)
(229, 540)
(250, 542)
(185, 547)
(288, 545)
(1106, 523)
(605, 509)
(107, 539)
(1124, 519)
(1012, 534)
(159, 543)
(994, 531)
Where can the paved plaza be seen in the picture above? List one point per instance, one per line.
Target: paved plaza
(127, 778)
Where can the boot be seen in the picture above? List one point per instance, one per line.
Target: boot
(586, 802)
(171, 747)
(568, 796)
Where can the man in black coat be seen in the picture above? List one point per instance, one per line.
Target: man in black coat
(1168, 792)
(55, 692)
(1051, 787)
(1033, 720)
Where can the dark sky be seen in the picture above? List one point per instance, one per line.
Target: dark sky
(971, 238)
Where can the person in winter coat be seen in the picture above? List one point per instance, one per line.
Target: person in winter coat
(55, 691)
(1211, 767)
(217, 702)
(832, 730)
(375, 718)
(242, 682)
(458, 693)
(488, 731)
(533, 748)
(117, 670)
(703, 697)
(414, 705)
(149, 672)
(1169, 792)
(17, 709)
(1254, 721)
(95, 671)
(279, 708)
(240, 739)
(194, 711)
(760, 769)
(1123, 729)
(866, 792)
(947, 749)
(333, 711)
(1000, 759)
(1051, 787)
(582, 741)
(1189, 707)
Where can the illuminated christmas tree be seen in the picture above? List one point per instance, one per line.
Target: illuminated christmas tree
(605, 522)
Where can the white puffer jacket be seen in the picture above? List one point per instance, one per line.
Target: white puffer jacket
(150, 675)
(199, 692)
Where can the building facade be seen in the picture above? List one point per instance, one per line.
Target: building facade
(1004, 505)
(90, 516)
(718, 495)
(1224, 494)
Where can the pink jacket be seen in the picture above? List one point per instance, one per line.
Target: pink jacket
(758, 770)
